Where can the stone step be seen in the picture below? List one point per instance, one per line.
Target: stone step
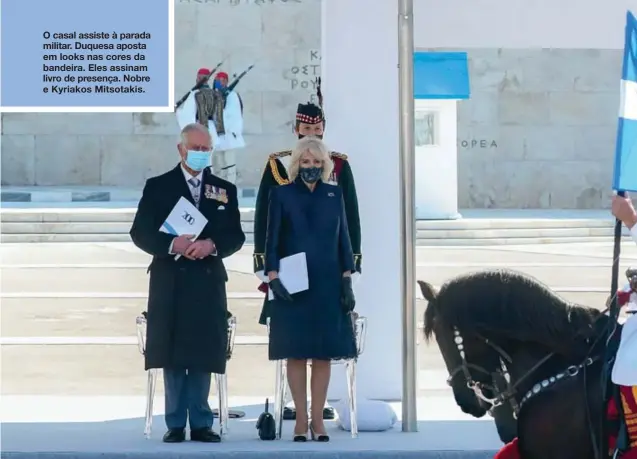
(109, 222)
(80, 228)
(64, 282)
(530, 231)
(28, 238)
(80, 194)
(472, 242)
(514, 223)
(123, 213)
(473, 219)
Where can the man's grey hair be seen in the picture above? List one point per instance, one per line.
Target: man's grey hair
(193, 127)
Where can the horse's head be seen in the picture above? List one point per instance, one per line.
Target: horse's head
(470, 361)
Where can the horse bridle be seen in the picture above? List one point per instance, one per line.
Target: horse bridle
(511, 390)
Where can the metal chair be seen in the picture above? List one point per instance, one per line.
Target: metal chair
(221, 381)
(360, 330)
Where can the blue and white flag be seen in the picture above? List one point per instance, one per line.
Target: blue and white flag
(625, 173)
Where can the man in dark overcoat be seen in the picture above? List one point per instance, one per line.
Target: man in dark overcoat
(187, 308)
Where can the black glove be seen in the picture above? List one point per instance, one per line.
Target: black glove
(279, 291)
(347, 294)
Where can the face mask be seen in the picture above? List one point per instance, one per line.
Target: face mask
(197, 160)
(310, 174)
(218, 85)
(317, 136)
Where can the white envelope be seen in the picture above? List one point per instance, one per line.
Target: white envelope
(293, 274)
(185, 218)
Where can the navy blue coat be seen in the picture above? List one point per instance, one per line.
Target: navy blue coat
(314, 325)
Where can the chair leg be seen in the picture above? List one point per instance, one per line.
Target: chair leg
(221, 382)
(150, 398)
(350, 367)
(279, 397)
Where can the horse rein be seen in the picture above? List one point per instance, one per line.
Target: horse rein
(508, 395)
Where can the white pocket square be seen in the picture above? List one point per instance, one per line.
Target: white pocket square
(221, 208)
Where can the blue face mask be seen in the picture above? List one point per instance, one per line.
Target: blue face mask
(310, 174)
(217, 85)
(197, 160)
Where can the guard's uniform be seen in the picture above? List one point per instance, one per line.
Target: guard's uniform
(275, 174)
(221, 111)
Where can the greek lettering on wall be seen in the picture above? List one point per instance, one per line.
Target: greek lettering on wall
(303, 75)
(477, 143)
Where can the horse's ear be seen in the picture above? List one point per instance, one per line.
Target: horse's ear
(428, 291)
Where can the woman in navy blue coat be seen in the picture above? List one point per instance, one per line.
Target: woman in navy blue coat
(308, 215)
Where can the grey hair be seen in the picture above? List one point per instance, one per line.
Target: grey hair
(191, 128)
(317, 148)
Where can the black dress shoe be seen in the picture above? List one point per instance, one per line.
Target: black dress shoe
(328, 413)
(206, 435)
(289, 414)
(174, 436)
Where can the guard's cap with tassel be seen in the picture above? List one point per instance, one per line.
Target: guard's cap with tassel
(309, 113)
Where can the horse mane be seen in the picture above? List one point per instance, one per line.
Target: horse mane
(508, 303)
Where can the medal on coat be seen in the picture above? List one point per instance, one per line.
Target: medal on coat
(216, 193)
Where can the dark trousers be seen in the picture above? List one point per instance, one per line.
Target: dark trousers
(186, 393)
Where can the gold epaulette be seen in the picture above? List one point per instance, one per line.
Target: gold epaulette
(336, 154)
(280, 154)
(275, 169)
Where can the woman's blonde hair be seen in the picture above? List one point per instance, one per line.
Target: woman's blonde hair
(318, 150)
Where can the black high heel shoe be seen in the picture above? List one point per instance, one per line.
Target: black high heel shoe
(323, 438)
(300, 438)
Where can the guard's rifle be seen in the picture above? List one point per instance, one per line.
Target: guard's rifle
(199, 84)
(319, 93)
(234, 84)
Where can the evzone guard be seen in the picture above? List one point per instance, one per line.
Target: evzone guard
(310, 121)
(220, 109)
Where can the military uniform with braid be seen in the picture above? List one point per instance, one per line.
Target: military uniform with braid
(309, 121)
(275, 174)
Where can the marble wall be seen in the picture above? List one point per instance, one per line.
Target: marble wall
(538, 131)
(282, 39)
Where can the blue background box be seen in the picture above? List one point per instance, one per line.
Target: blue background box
(23, 23)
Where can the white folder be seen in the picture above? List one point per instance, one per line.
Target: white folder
(185, 218)
(293, 274)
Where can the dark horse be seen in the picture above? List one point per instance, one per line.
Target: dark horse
(508, 341)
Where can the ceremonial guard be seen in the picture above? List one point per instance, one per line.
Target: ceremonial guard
(220, 109)
(310, 120)
(224, 160)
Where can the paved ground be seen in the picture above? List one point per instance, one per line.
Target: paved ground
(90, 291)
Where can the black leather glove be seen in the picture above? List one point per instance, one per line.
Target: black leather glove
(279, 291)
(347, 294)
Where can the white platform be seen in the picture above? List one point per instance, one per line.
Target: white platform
(111, 427)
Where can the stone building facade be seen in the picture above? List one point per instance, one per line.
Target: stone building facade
(538, 131)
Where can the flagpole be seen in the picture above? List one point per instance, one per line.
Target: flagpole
(629, 69)
(407, 208)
